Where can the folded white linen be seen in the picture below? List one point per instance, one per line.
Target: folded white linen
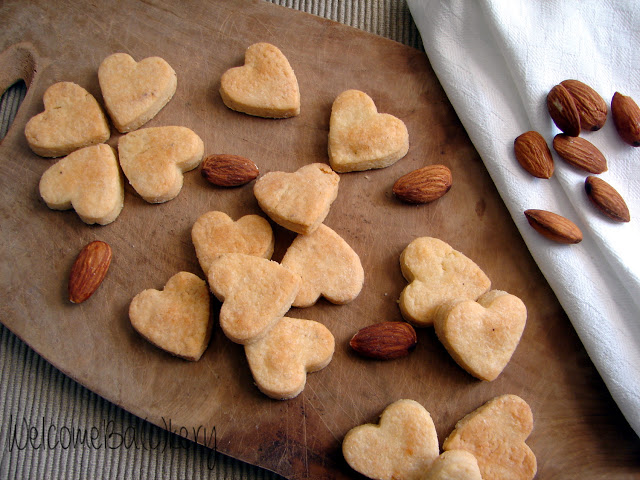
(497, 60)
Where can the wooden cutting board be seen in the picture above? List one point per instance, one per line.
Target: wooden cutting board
(579, 432)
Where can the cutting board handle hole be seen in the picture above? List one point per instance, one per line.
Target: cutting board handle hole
(9, 105)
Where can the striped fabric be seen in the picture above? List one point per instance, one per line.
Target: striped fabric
(35, 394)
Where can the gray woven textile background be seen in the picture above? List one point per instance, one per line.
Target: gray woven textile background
(32, 392)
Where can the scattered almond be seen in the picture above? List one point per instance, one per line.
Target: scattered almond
(592, 108)
(423, 185)
(88, 270)
(563, 110)
(607, 199)
(228, 170)
(626, 118)
(553, 226)
(385, 341)
(533, 153)
(580, 153)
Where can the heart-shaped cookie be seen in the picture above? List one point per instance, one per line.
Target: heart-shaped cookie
(255, 292)
(281, 359)
(134, 92)
(176, 319)
(298, 201)
(89, 181)
(155, 159)
(436, 274)
(495, 434)
(215, 233)
(265, 86)
(482, 336)
(72, 119)
(327, 265)
(403, 445)
(454, 465)
(360, 138)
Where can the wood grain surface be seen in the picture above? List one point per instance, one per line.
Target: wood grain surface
(578, 433)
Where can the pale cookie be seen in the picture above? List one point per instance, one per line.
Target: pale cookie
(328, 267)
(155, 159)
(89, 181)
(215, 233)
(298, 201)
(495, 434)
(72, 119)
(436, 274)
(255, 292)
(403, 445)
(360, 138)
(454, 465)
(482, 336)
(265, 86)
(134, 92)
(281, 359)
(176, 319)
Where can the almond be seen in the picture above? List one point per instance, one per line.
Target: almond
(533, 153)
(592, 108)
(553, 226)
(226, 170)
(626, 118)
(88, 270)
(385, 341)
(563, 110)
(580, 153)
(607, 199)
(423, 185)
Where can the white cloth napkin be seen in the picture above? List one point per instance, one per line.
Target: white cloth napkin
(497, 60)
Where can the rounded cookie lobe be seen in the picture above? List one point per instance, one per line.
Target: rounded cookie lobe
(454, 465)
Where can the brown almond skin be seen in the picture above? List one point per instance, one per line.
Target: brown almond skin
(226, 170)
(533, 153)
(88, 271)
(580, 153)
(607, 199)
(385, 341)
(592, 108)
(553, 226)
(423, 185)
(563, 110)
(626, 118)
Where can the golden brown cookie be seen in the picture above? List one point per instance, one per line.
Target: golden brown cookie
(495, 434)
(360, 138)
(72, 119)
(134, 92)
(89, 181)
(403, 445)
(265, 86)
(482, 336)
(436, 274)
(281, 359)
(176, 319)
(255, 292)
(328, 267)
(155, 159)
(454, 465)
(215, 233)
(298, 201)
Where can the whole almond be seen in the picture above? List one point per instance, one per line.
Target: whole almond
(423, 185)
(385, 341)
(563, 110)
(607, 199)
(580, 153)
(592, 108)
(88, 270)
(533, 153)
(626, 118)
(553, 226)
(226, 170)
